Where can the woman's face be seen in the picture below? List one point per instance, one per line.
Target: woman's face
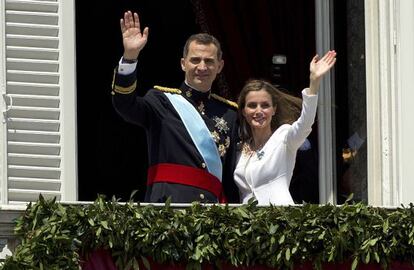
(259, 110)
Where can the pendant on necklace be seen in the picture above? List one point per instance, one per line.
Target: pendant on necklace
(260, 154)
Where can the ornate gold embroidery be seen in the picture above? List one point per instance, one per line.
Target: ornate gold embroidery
(201, 107)
(167, 89)
(227, 142)
(222, 150)
(215, 136)
(125, 90)
(222, 99)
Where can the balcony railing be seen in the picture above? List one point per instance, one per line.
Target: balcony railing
(8, 240)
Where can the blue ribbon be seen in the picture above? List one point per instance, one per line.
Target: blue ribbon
(199, 133)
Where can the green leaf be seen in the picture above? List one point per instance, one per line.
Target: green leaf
(242, 211)
(354, 263)
(372, 242)
(287, 254)
(91, 222)
(146, 263)
(376, 256)
(133, 193)
(279, 256)
(104, 224)
(135, 264)
(385, 226)
(282, 239)
(367, 258)
(273, 229)
(322, 235)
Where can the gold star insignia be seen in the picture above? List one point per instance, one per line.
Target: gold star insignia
(221, 124)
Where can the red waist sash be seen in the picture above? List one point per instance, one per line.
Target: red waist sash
(185, 175)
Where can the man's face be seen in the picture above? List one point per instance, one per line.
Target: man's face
(201, 65)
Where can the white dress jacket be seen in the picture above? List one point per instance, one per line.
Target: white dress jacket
(266, 174)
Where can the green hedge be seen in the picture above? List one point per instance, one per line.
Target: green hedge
(53, 236)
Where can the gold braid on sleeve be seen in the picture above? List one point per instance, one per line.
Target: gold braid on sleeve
(125, 90)
(121, 89)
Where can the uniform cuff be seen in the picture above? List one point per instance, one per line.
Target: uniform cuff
(126, 68)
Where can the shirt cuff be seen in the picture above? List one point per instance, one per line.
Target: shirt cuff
(126, 68)
(306, 92)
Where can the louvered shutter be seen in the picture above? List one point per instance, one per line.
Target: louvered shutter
(35, 115)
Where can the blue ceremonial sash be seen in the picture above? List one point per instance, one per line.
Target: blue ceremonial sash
(199, 133)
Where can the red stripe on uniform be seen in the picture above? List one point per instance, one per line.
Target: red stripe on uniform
(185, 175)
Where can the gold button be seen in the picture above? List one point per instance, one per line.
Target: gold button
(202, 196)
(113, 93)
(203, 165)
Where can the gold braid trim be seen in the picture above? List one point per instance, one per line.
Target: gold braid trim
(125, 90)
(122, 90)
(167, 89)
(222, 99)
(113, 80)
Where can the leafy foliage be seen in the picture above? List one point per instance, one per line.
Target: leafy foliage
(56, 236)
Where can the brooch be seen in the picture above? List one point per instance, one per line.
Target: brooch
(260, 154)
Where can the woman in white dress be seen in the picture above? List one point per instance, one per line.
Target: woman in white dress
(270, 139)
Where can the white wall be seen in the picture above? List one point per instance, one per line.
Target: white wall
(405, 56)
(389, 31)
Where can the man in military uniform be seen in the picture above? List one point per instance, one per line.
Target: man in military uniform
(191, 132)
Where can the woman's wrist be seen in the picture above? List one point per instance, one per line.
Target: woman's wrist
(314, 86)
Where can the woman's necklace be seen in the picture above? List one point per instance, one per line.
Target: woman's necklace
(260, 153)
(259, 150)
(248, 150)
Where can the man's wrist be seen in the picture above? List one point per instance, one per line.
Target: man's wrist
(126, 67)
(128, 61)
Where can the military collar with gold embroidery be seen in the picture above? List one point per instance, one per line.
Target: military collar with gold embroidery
(193, 94)
(196, 97)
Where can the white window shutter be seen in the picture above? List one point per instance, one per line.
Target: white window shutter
(39, 100)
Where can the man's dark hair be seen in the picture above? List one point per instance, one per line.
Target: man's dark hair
(205, 39)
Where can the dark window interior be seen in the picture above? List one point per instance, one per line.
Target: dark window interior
(112, 154)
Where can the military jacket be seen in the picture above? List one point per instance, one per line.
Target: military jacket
(169, 143)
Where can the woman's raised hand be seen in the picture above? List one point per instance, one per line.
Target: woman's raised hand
(319, 67)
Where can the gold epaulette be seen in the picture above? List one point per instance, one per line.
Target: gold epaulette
(120, 89)
(222, 99)
(167, 89)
